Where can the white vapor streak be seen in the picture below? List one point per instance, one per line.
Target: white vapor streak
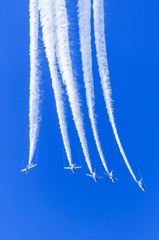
(64, 60)
(103, 70)
(34, 101)
(46, 18)
(84, 12)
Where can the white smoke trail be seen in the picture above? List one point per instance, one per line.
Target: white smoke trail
(46, 18)
(84, 16)
(34, 101)
(103, 70)
(64, 60)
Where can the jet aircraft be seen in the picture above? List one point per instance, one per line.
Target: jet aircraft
(29, 166)
(94, 176)
(141, 185)
(73, 167)
(110, 175)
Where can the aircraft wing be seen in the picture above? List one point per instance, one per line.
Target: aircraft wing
(78, 167)
(89, 175)
(67, 167)
(23, 170)
(106, 173)
(99, 177)
(33, 165)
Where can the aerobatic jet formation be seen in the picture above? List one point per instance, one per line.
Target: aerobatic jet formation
(27, 169)
(53, 19)
(73, 167)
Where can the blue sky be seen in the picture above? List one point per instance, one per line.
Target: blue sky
(50, 202)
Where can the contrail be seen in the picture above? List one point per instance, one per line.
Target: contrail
(84, 16)
(64, 60)
(103, 70)
(46, 18)
(34, 101)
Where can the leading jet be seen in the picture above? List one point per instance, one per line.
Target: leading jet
(110, 175)
(141, 185)
(29, 166)
(73, 167)
(94, 176)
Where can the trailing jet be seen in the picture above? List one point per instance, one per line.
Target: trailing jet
(110, 175)
(27, 169)
(72, 167)
(141, 185)
(94, 176)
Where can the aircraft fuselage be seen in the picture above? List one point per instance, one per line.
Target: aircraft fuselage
(143, 188)
(113, 180)
(95, 179)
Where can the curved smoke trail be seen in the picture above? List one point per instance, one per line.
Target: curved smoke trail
(84, 12)
(46, 19)
(64, 60)
(103, 70)
(34, 101)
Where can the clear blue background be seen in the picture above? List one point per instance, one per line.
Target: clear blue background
(50, 202)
